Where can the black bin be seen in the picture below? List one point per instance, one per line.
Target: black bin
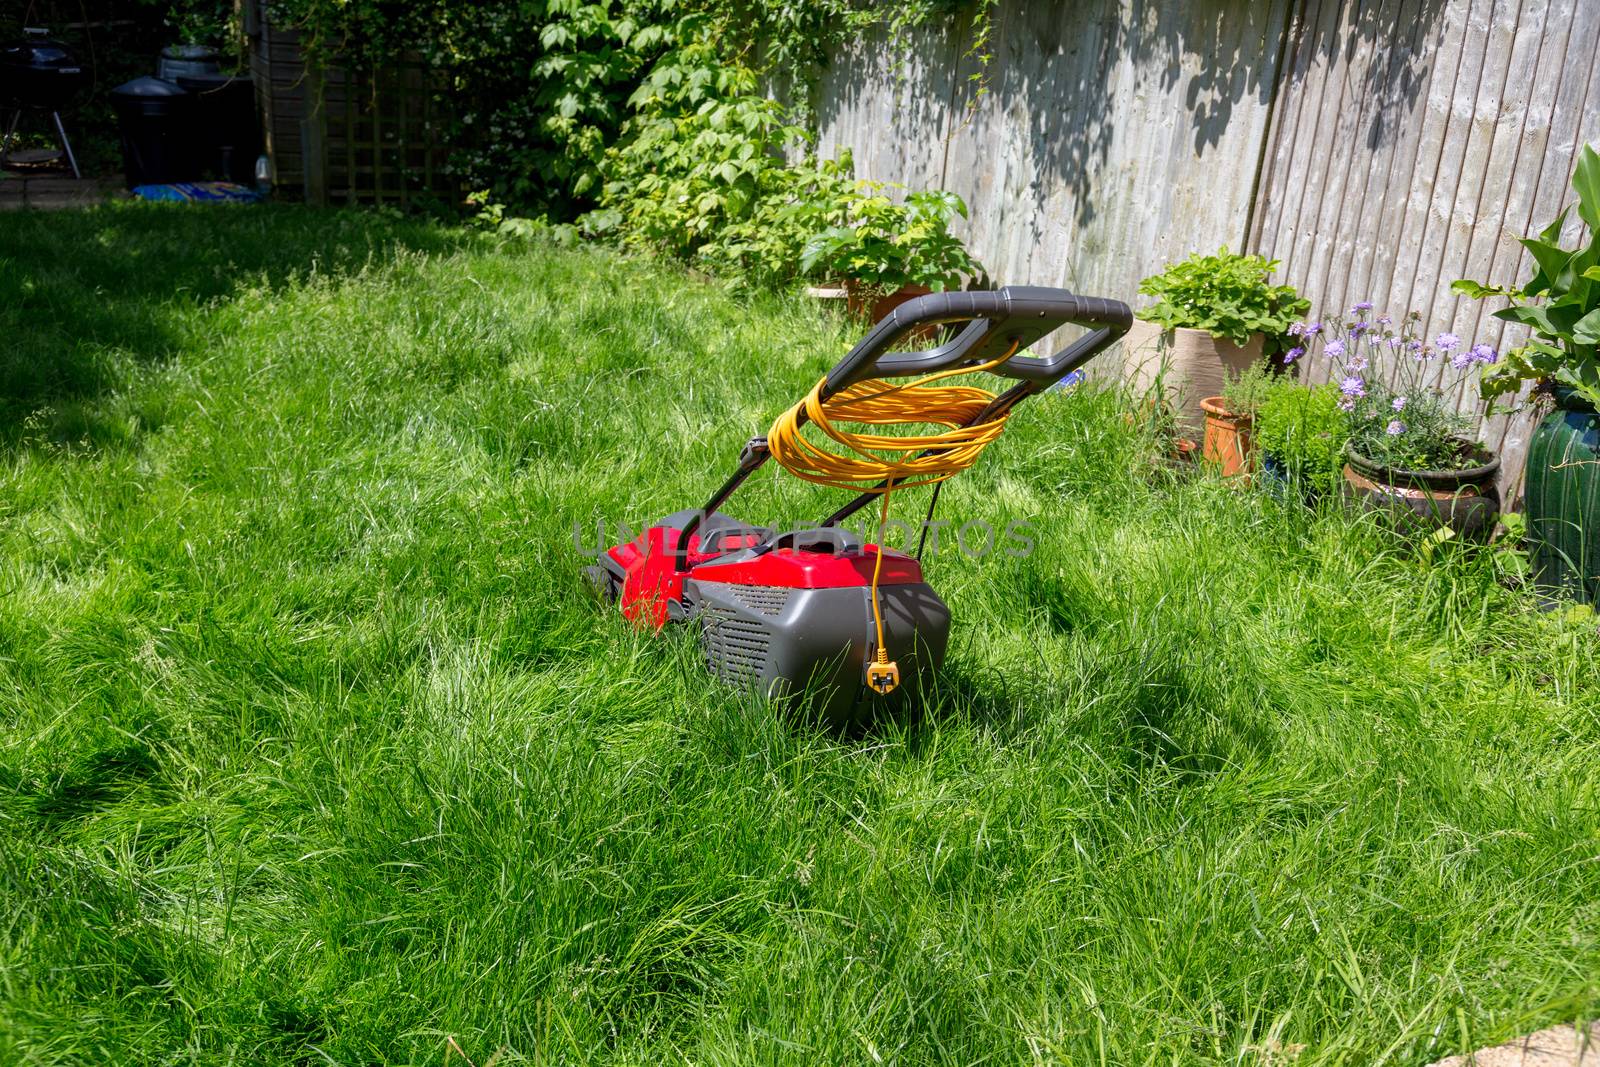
(227, 132)
(156, 120)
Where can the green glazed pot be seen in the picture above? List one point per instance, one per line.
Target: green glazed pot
(1562, 499)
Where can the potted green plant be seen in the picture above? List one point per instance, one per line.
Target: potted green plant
(1230, 418)
(888, 252)
(1301, 432)
(1212, 316)
(1561, 304)
(1409, 451)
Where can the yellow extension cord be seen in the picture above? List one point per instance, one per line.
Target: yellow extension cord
(898, 461)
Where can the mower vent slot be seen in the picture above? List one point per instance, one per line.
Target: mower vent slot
(766, 599)
(736, 649)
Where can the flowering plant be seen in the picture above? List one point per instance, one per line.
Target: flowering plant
(1396, 416)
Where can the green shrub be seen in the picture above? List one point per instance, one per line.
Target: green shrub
(884, 245)
(1305, 431)
(700, 175)
(1226, 295)
(541, 91)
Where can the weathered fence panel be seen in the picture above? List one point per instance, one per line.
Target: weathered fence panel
(1414, 141)
(1380, 148)
(1111, 136)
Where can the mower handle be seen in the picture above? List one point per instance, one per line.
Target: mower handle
(996, 320)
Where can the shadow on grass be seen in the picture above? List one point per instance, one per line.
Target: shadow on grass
(85, 293)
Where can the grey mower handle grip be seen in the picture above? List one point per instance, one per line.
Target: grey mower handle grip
(995, 319)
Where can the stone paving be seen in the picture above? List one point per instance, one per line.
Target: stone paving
(1559, 1046)
(47, 192)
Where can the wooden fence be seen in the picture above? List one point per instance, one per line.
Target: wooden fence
(1381, 149)
(336, 136)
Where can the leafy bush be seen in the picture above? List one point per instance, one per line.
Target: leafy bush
(542, 91)
(1226, 295)
(1566, 317)
(699, 175)
(1305, 431)
(884, 245)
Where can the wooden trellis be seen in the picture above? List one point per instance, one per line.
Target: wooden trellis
(338, 136)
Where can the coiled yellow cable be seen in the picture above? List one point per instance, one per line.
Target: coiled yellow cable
(878, 403)
(897, 461)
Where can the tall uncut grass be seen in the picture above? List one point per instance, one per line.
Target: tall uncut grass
(317, 750)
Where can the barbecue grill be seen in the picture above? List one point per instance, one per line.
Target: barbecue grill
(38, 74)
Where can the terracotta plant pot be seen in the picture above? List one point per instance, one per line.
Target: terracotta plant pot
(864, 300)
(874, 303)
(1562, 500)
(1185, 450)
(827, 292)
(1190, 364)
(1466, 500)
(1227, 440)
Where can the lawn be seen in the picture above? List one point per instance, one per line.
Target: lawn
(317, 750)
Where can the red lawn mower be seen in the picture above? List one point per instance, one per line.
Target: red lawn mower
(815, 612)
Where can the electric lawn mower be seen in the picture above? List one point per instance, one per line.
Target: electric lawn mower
(815, 611)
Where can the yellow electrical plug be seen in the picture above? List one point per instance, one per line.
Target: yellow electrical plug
(883, 675)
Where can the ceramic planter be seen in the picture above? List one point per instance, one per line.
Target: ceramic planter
(1190, 364)
(1466, 500)
(1227, 440)
(1562, 499)
(1285, 485)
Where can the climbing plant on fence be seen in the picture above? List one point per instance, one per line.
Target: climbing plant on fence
(542, 88)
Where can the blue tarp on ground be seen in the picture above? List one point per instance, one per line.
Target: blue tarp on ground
(199, 193)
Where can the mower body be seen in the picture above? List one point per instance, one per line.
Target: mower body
(789, 615)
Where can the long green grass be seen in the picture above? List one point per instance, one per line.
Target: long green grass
(317, 750)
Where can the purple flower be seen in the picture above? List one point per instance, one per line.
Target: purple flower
(1356, 363)
(1399, 403)
(1384, 320)
(1293, 354)
(1296, 329)
(1395, 342)
(1484, 354)
(1359, 328)
(1334, 349)
(1314, 329)
(1446, 341)
(1360, 306)
(1353, 386)
(1461, 361)
(1347, 403)
(1395, 428)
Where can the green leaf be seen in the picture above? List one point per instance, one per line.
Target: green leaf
(1587, 329)
(1552, 232)
(1552, 261)
(1528, 315)
(1586, 183)
(1475, 290)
